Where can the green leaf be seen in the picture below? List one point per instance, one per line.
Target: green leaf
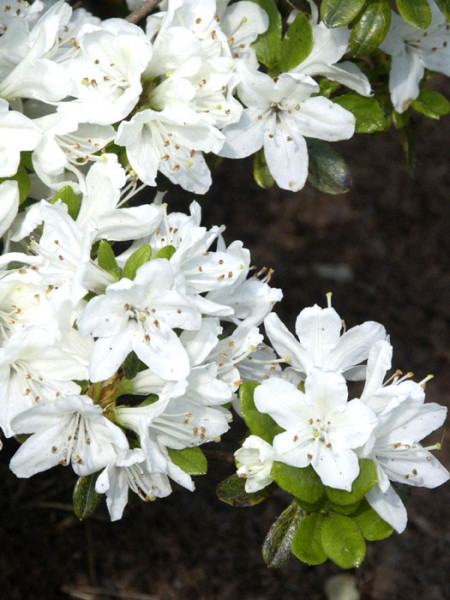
(335, 13)
(68, 197)
(166, 252)
(306, 544)
(259, 424)
(23, 182)
(232, 491)
(444, 7)
(85, 498)
(303, 484)
(136, 260)
(415, 12)
(131, 365)
(297, 43)
(276, 548)
(342, 541)
(261, 172)
(431, 104)
(408, 143)
(191, 460)
(371, 524)
(267, 46)
(327, 87)
(327, 169)
(366, 479)
(107, 260)
(371, 27)
(369, 116)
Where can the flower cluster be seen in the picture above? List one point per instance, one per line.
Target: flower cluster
(322, 428)
(89, 325)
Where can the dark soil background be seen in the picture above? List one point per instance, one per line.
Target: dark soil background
(383, 249)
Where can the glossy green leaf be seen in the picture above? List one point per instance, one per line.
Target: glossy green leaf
(371, 524)
(276, 548)
(342, 541)
(431, 104)
(267, 45)
(303, 484)
(131, 365)
(166, 252)
(444, 7)
(136, 260)
(366, 479)
(336, 13)
(371, 27)
(415, 12)
(306, 543)
(327, 169)
(68, 197)
(85, 498)
(296, 43)
(232, 491)
(259, 424)
(107, 260)
(327, 87)
(261, 173)
(191, 460)
(369, 116)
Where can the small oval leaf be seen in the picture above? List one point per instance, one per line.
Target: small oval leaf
(336, 13)
(366, 479)
(136, 260)
(371, 524)
(267, 45)
(232, 491)
(431, 104)
(297, 43)
(369, 116)
(327, 169)
(191, 460)
(259, 424)
(306, 544)
(85, 498)
(303, 484)
(371, 27)
(261, 171)
(276, 548)
(415, 12)
(342, 541)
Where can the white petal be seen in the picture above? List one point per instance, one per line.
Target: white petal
(336, 468)
(285, 343)
(318, 330)
(283, 402)
(320, 118)
(246, 136)
(389, 507)
(407, 71)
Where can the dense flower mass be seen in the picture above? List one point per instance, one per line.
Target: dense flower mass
(128, 332)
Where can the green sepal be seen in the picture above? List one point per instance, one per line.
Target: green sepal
(327, 169)
(166, 252)
(431, 104)
(342, 540)
(191, 460)
(371, 27)
(136, 260)
(372, 526)
(303, 484)
(261, 173)
(68, 197)
(296, 43)
(276, 549)
(267, 45)
(366, 479)
(107, 260)
(23, 182)
(232, 491)
(85, 498)
(444, 7)
(369, 116)
(306, 543)
(415, 12)
(259, 424)
(336, 13)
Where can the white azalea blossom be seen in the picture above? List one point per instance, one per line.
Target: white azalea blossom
(322, 429)
(278, 117)
(255, 460)
(17, 133)
(320, 343)
(414, 50)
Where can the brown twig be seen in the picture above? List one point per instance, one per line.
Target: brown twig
(142, 11)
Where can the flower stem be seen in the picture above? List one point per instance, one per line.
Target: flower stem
(142, 11)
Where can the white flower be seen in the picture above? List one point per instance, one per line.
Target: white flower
(414, 50)
(322, 428)
(255, 460)
(129, 471)
(320, 343)
(17, 133)
(9, 204)
(278, 117)
(140, 315)
(70, 429)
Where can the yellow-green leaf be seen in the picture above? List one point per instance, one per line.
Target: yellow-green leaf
(336, 13)
(415, 12)
(371, 27)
